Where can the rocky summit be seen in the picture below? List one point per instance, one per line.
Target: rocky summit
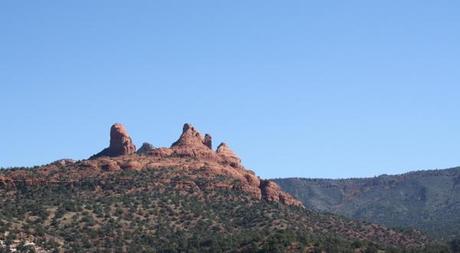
(191, 150)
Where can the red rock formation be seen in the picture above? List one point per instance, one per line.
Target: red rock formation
(190, 152)
(107, 164)
(131, 165)
(272, 192)
(120, 143)
(145, 148)
(192, 144)
(190, 138)
(228, 155)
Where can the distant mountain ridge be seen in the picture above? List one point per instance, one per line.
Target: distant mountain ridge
(426, 200)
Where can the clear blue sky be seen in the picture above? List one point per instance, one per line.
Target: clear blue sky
(297, 88)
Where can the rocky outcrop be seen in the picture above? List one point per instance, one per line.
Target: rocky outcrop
(120, 143)
(145, 148)
(208, 141)
(272, 192)
(193, 145)
(190, 138)
(224, 151)
(191, 151)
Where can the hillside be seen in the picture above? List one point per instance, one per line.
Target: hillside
(186, 198)
(425, 200)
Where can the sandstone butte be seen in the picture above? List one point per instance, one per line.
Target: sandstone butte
(191, 151)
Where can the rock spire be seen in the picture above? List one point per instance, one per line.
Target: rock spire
(120, 143)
